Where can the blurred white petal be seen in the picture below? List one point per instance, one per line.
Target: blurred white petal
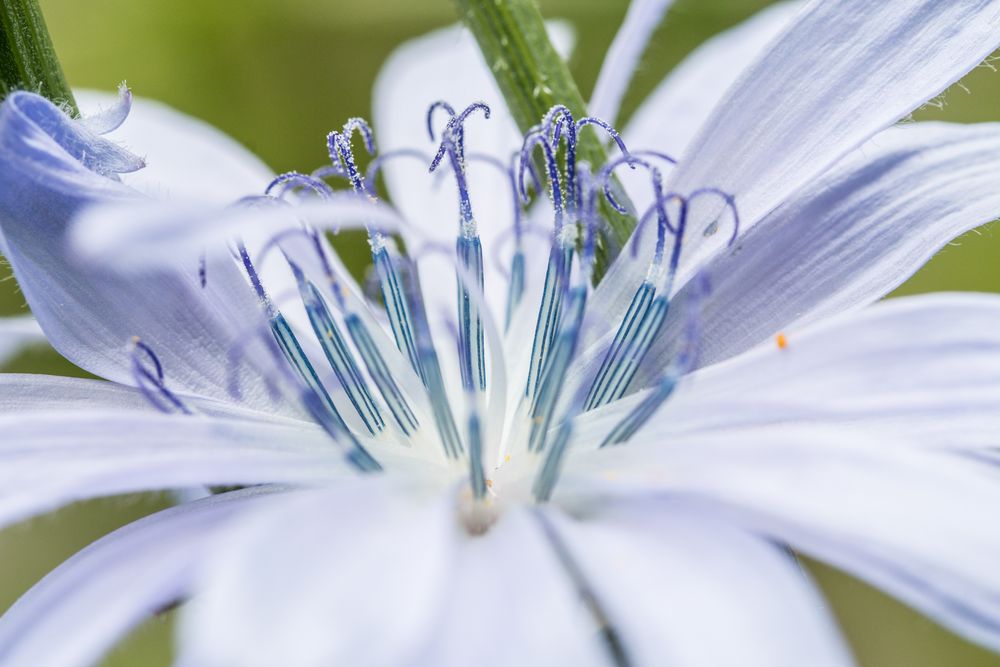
(79, 611)
(681, 586)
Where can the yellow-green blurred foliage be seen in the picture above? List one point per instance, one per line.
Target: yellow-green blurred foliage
(278, 76)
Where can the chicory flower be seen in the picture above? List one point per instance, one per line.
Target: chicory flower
(501, 463)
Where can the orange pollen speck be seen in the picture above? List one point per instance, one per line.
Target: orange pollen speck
(781, 340)
(489, 483)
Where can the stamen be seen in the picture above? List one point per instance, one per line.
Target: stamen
(296, 356)
(293, 179)
(633, 160)
(288, 343)
(472, 352)
(549, 310)
(372, 357)
(546, 479)
(548, 474)
(397, 307)
(565, 346)
(637, 313)
(356, 454)
(646, 314)
(151, 381)
(431, 374)
(560, 257)
(378, 163)
(283, 346)
(329, 171)
(618, 656)
(379, 371)
(556, 123)
(643, 319)
(556, 367)
(681, 366)
(477, 474)
(393, 295)
(515, 287)
(337, 353)
(474, 433)
(255, 280)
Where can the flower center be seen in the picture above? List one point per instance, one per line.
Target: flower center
(376, 400)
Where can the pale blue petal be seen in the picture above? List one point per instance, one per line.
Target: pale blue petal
(51, 169)
(842, 72)
(108, 113)
(849, 238)
(80, 610)
(670, 116)
(186, 158)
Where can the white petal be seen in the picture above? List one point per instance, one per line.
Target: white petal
(622, 58)
(838, 75)
(23, 392)
(914, 522)
(512, 602)
(186, 158)
(170, 233)
(867, 443)
(365, 575)
(681, 587)
(345, 576)
(926, 368)
(50, 459)
(80, 610)
(849, 238)
(17, 333)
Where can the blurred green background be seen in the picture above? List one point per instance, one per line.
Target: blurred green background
(278, 76)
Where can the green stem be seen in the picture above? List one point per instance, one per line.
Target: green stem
(27, 59)
(533, 78)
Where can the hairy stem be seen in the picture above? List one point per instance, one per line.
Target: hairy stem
(27, 59)
(532, 78)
